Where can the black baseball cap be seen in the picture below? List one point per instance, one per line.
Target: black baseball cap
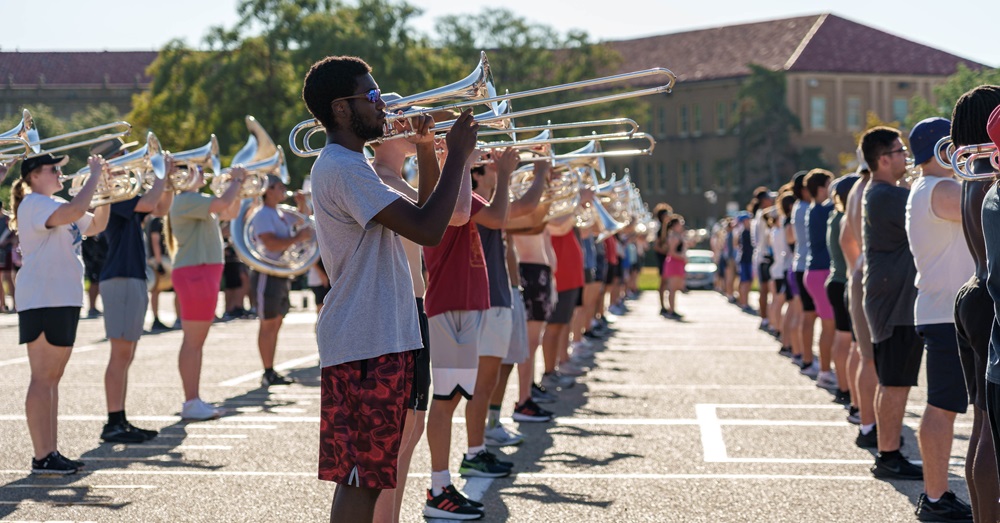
(35, 162)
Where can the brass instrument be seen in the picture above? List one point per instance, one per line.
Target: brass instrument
(23, 134)
(36, 144)
(121, 177)
(260, 158)
(472, 90)
(964, 159)
(204, 160)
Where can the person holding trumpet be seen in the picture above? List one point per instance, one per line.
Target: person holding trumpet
(194, 241)
(49, 291)
(368, 328)
(124, 293)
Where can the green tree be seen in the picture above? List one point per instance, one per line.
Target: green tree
(947, 93)
(766, 155)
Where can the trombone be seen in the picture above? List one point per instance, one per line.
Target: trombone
(22, 135)
(459, 90)
(964, 159)
(35, 144)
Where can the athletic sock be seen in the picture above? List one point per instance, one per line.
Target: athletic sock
(439, 480)
(474, 450)
(867, 429)
(493, 417)
(932, 500)
(114, 418)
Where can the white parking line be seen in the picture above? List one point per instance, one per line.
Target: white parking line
(250, 376)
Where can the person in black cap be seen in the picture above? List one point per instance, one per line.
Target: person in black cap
(49, 290)
(123, 291)
(274, 234)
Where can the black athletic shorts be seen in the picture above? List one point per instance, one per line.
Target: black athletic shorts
(320, 291)
(614, 271)
(660, 260)
(835, 292)
(563, 313)
(945, 383)
(897, 359)
(420, 392)
(58, 323)
(764, 273)
(271, 294)
(973, 324)
(536, 280)
(807, 302)
(231, 275)
(992, 397)
(589, 274)
(781, 287)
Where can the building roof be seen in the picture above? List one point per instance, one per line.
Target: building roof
(817, 43)
(61, 68)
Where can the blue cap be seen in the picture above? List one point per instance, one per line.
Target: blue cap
(743, 215)
(925, 135)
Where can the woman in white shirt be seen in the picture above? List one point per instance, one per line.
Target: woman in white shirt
(49, 291)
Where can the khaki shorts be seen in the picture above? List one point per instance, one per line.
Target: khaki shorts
(858, 320)
(125, 301)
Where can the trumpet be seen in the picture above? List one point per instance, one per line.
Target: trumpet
(964, 161)
(121, 178)
(22, 134)
(260, 157)
(473, 95)
(204, 159)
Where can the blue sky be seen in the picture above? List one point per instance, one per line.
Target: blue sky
(146, 25)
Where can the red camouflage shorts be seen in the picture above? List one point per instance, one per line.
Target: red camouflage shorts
(361, 420)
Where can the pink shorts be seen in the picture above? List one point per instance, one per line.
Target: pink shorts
(815, 282)
(674, 267)
(197, 288)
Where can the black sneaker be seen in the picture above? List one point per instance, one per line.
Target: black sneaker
(785, 351)
(146, 433)
(455, 492)
(483, 465)
(54, 463)
(76, 463)
(498, 461)
(529, 411)
(948, 509)
(854, 415)
(450, 505)
(158, 326)
(842, 397)
(870, 440)
(664, 312)
(273, 378)
(120, 433)
(896, 467)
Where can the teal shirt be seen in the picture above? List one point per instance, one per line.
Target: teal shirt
(838, 264)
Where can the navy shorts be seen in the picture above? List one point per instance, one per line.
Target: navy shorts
(746, 272)
(945, 380)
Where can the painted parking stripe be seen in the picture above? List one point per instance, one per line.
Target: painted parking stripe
(250, 376)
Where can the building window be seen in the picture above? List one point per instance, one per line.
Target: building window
(661, 121)
(900, 109)
(682, 179)
(682, 121)
(697, 120)
(853, 113)
(720, 118)
(696, 177)
(734, 116)
(817, 113)
(663, 177)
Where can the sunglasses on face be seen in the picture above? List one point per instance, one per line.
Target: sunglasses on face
(372, 95)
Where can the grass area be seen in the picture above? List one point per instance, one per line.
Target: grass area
(649, 279)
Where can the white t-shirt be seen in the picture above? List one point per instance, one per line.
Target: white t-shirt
(370, 309)
(939, 252)
(760, 238)
(51, 273)
(780, 249)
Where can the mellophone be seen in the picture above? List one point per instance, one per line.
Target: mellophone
(615, 204)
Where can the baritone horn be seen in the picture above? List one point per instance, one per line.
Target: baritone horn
(121, 177)
(204, 159)
(964, 161)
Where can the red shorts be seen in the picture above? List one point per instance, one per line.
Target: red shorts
(197, 288)
(361, 420)
(674, 267)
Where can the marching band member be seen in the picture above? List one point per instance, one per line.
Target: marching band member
(124, 293)
(49, 291)
(195, 244)
(368, 327)
(273, 230)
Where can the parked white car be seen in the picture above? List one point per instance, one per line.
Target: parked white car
(700, 269)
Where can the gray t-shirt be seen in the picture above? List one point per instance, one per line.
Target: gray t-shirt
(496, 265)
(272, 220)
(799, 212)
(370, 309)
(991, 232)
(889, 271)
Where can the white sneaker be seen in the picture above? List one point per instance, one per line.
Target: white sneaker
(570, 369)
(198, 410)
(812, 370)
(499, 436)
(827, 380)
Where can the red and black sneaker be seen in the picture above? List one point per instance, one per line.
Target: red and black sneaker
(450, 505)
(529, 411)
(455, 491)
